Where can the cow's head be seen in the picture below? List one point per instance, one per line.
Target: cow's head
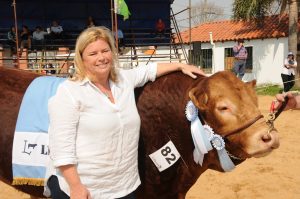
(230, 107)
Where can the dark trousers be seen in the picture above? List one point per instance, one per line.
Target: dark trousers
(288, 82)
(57, 193)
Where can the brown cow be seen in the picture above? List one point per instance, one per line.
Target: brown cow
(228, 105)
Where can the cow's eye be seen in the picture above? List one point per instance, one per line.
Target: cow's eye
(222, 108)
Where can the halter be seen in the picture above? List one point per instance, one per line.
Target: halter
(247, 125)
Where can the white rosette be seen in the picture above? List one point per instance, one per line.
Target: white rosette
(225, 161)
(201, 143)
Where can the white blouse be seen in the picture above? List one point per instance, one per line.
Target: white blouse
(99, 137)
(288, 71)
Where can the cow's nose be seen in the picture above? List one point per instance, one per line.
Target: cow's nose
(271, 139)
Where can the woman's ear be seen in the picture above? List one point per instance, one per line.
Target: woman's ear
(199, 99)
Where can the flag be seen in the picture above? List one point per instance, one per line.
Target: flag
(121, 8)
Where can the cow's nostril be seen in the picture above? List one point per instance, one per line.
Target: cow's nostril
(266, 137)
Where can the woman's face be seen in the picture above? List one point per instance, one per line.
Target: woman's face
(97, 59)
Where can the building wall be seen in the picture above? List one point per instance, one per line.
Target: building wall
(268, 58)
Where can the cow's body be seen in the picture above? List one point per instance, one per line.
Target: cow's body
(226, 105)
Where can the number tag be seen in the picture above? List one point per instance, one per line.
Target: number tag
(165, 157)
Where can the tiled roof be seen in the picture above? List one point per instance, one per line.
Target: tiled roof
(230, 30)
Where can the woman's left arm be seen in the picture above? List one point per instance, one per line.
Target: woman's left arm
(190, 70)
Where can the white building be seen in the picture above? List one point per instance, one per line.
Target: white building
(266, 42)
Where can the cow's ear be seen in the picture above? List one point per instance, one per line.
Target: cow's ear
(199, 99)
(251, 83)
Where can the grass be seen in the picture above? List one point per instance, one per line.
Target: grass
(269, 89)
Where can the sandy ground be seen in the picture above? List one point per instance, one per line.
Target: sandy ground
(276, 176)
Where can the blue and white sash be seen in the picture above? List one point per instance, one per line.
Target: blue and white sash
(30, 147)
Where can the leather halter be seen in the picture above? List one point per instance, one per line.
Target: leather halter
(248, 124)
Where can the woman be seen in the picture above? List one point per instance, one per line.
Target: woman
(25, 39)
(288, 72)
(94, 123)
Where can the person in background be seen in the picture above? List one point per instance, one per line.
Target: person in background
(288, 72)
(11, 36)
(38, 37)
(56, 30)
(160, 28)
(25, 39)
(240, 54)
(94, 122)
(90, 22)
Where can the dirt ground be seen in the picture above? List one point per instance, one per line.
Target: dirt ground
(276, 176)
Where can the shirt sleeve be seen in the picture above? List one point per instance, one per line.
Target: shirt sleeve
(64, 116)
(140, 75)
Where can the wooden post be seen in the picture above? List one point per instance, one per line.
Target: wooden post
(64, 64)
(23, 61)
(1, 57)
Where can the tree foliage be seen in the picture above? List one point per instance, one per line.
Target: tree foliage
(248, 9)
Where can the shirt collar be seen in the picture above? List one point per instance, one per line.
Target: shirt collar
(87, 80)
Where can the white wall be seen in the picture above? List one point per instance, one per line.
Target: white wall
(268, 58)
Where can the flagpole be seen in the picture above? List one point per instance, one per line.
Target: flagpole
(116, 32)
(16, 28)
(112, 14)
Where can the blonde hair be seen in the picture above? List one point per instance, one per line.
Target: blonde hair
(88, 36)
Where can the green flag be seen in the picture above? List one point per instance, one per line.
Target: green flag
(122, 9)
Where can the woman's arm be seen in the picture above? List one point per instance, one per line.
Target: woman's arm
(77, 189)
(190, 70)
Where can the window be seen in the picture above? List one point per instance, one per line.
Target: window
(203, 59)
(229, 59)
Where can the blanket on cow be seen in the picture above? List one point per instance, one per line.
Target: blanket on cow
(30, 146)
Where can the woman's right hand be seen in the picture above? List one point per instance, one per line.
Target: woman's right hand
(79, 191)
(292, 102)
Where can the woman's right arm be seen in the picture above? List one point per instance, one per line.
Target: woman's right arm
(64, 117)
(77, 189)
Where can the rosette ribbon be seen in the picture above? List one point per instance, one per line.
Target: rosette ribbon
(205, 139)
(200, 138)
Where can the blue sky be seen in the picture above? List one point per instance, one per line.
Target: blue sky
(182, 19)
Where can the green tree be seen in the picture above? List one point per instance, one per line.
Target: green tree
(250, 9)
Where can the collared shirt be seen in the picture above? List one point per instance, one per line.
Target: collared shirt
(39, 35)
(288, 71)
(98, 136)
(56, 29)
(241, 53)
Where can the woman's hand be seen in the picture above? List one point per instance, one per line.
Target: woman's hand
(79, 191)
(191, 70)
(292, 102)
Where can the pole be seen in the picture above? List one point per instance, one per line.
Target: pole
(114, 22)
(112, 14)
(16, 28)
(116, 32)
(190, 29)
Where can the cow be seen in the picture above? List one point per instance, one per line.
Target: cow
(228, 105)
